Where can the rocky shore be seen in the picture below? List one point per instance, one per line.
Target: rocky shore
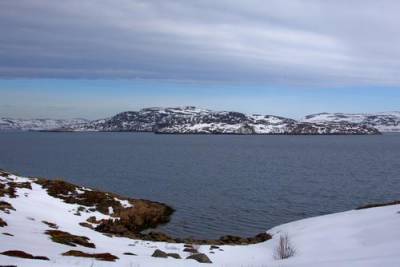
(55, 223)
(128, 217)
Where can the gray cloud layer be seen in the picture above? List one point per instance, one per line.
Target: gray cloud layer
(290, 42)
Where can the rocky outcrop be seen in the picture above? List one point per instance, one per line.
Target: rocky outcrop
(200, 257)
(130, 216)
(224, 240)
(159, 254)
(127, 217)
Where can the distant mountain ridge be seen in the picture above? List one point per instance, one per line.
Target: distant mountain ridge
(383, 121)
(9, 124)
(192, 120)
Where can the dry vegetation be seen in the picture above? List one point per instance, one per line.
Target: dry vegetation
(22, 254)
(285, 248)
(2, 223)
(69, 239)
(98, 256)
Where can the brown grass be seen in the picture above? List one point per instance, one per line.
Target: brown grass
(87, 225)
(7, 191)
(2, 223)
(22, 254)
(5, 206)
(50, 224)
(284, 248)
(98, 256)
(69, 239)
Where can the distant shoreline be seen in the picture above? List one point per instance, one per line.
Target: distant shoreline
(249, 134)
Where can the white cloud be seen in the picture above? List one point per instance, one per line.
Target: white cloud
(307, 42)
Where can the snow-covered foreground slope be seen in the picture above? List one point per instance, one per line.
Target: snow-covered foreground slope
(368, 237)
(383, 121)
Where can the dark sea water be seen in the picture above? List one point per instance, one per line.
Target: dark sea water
(222, 184)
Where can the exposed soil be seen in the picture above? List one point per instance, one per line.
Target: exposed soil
(2, 223)
(22, 254)
(87, 225)
(6, 190)
(69, 239)
(98, 256)
(50, 224)
(5, 206)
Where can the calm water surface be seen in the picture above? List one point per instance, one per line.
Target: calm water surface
(239, 185)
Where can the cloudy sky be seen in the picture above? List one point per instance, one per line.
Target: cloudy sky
(94, 58)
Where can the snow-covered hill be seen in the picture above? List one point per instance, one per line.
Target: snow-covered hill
(192, 120)
(55, 231)
(383, 121)
(8, 124)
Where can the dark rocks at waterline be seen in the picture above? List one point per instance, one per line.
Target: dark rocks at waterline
(376, 205)
(224, 240)
(127, 221)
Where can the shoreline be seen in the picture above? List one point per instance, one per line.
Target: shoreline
(132, 220)
(40, 220)
(141, 223)
(217, 134)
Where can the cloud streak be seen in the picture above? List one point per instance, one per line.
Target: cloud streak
(292, 42)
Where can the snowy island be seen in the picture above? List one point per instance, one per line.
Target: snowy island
(55, 223)
(193, 120)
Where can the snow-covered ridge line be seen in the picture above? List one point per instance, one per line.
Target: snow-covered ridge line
(9, 124)
(46, 227)
(383, 121)
(192, 120)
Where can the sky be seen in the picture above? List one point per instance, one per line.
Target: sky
(92, 59)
